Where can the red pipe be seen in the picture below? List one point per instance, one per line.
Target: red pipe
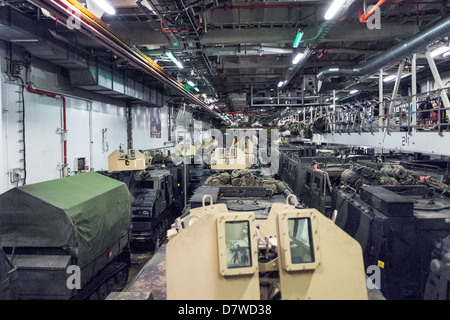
(364, 17)
(175, 31)
(54, 96)
(166, 31)
(65, 129)
(95, 28)
(224, 72)
(265, 6)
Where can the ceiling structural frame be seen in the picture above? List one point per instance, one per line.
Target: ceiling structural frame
(95, 28)
(238, 51)
(183, 41)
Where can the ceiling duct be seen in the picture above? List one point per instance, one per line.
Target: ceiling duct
(19, 29)
(15, 27)
(96, 29)
(85, 74)
(396, 53)
(103, 79)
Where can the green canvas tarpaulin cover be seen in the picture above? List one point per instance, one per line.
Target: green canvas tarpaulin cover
(84, 213)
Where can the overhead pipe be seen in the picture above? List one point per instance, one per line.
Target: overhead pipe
(364, 17)
(40, 92)
(95, 28)
(265, 6)
(175, 31)
(394, 54)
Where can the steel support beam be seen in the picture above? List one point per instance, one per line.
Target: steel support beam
(380, 99)
(414, 91)
(439, 85)
(394, 93)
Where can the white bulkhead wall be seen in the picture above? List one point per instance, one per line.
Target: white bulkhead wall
(96, 126)
(140, 116)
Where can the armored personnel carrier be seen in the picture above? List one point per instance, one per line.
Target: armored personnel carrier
(215, 253)
(438, 283)
(9, 280)
(247, 243)
(158, 193)
(68, 238)
(397, 227)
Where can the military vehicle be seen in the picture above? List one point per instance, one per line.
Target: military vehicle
(158, 193)
(68, 238)
(400, 240)
(438, 284)
(249, 242)
(9, 280)
(311, 177)
(241, 155)
(397, 227)
(215, 253)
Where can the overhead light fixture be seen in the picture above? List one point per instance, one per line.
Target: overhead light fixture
(298, 38)
(106, 6)
(333, 9)
(191, 83)
(196, 89)
(174, 60)
(179, 65)
(439, 51)
(446, 54)
(354, 91)
(280, 84)
(298, 57)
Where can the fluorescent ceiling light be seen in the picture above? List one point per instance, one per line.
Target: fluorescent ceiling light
(191, 83)
(354, 91)
(298, 38)
(333, 9)
(170, 55)
(439, 51)
(280, 84)
(298, 57)
(105, 6)
(174, 60)
(390, 78)
(196, 89)
(179, 65)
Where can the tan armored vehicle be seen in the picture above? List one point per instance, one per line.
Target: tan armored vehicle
(292, 254)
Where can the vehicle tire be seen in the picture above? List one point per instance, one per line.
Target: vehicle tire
(102, 292)
(121, 278)
(94, 296)
(111, 284)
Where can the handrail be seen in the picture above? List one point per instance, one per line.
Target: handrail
(358, 117)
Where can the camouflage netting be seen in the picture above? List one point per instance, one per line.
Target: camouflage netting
(302, 129)
(392, 175)
(244, 177)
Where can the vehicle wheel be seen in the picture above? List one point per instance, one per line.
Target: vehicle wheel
(121, 278)
(94, 296)
(111, 284)
(102, 291)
